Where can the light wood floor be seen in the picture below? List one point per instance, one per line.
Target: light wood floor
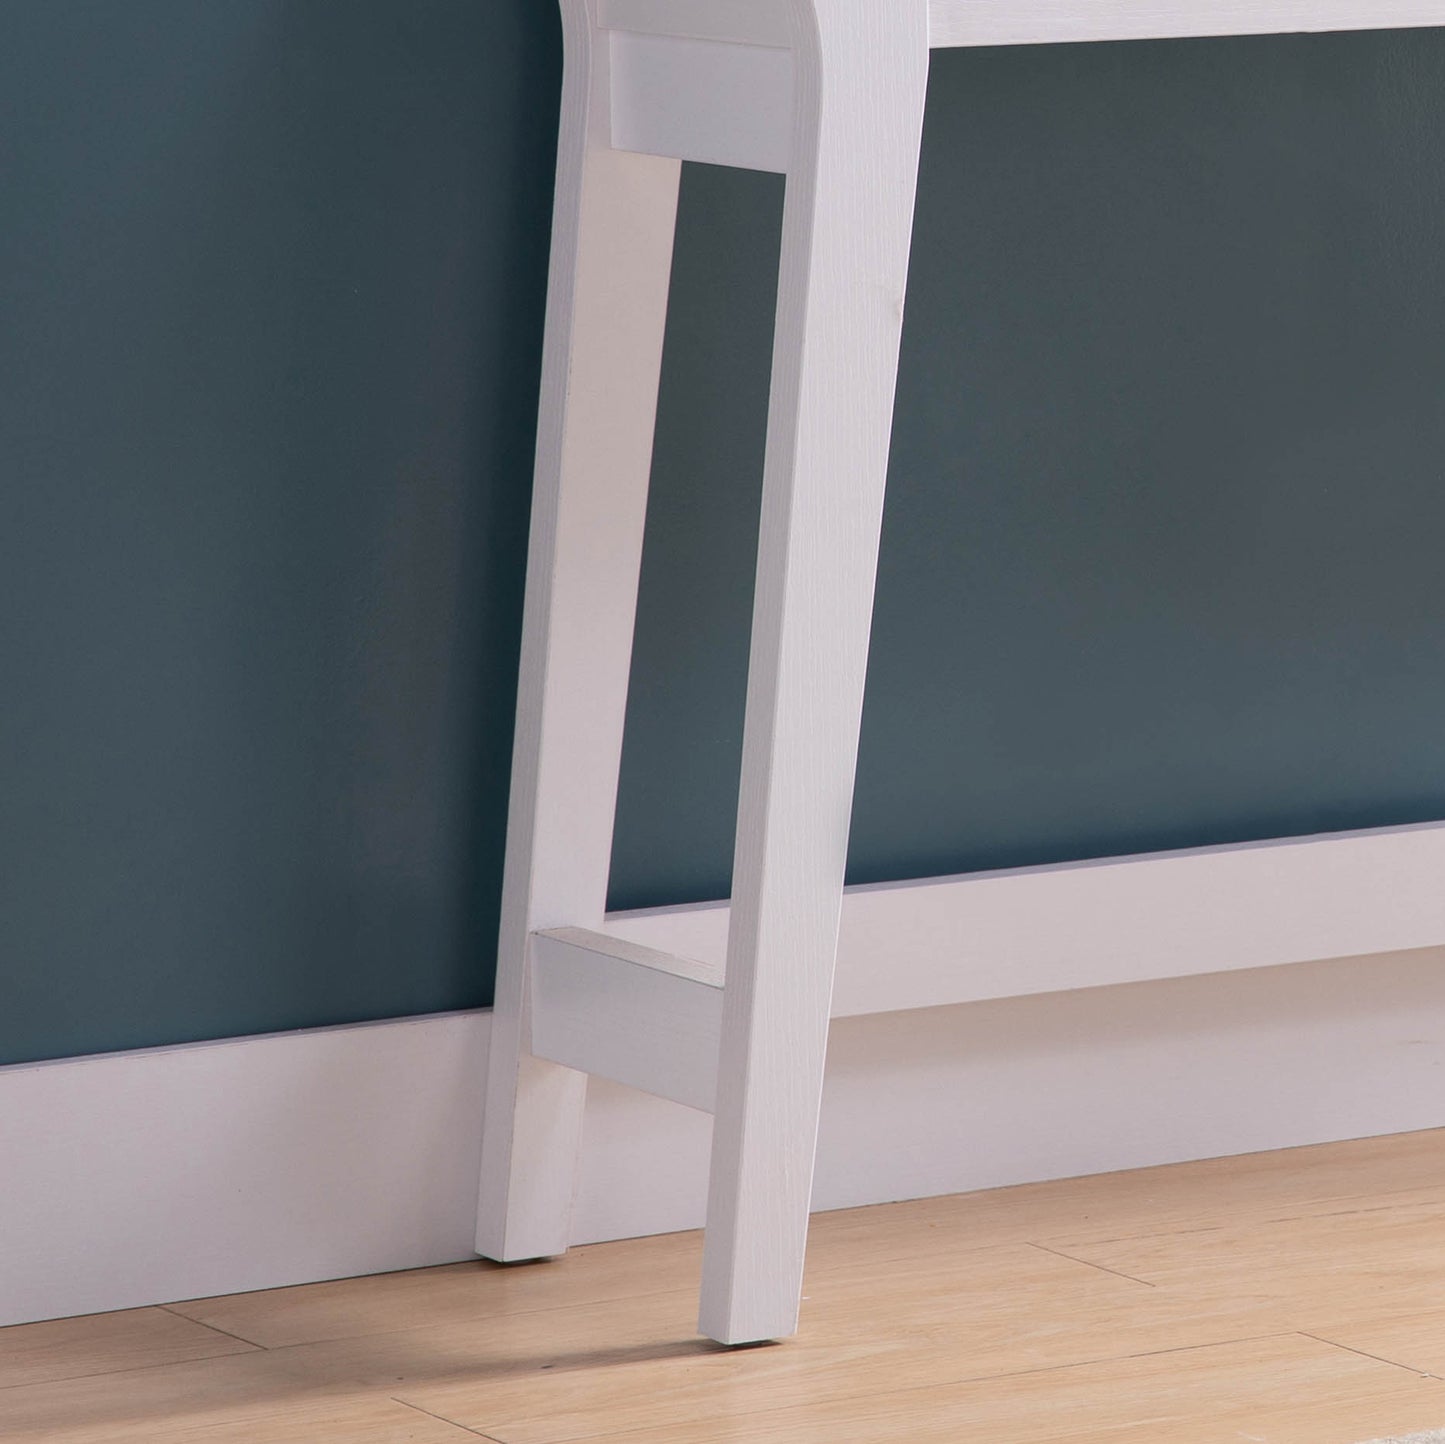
(1293, 1298)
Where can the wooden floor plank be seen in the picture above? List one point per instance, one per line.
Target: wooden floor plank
(1166, 1306)
(1289, 1391)
(105, 1343)
(595, 1336)
(356, 1420)
(991, 1310)
(916, 1323)
(312, 1313)
(1367, 1263)
(261, 1397)
(102, 1406)
(1290, 1183)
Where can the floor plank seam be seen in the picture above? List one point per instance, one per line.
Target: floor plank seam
(1378, 1358)
(225, 1333)
(442, 1419)
(1418, 1206)
(1059, 1253)
(912, 1256)
(130, 1369)
(1120, 1358)
(1139, 1235)
(482, 1316)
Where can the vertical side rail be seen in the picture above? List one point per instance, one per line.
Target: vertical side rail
(611, 255)
(862, 72)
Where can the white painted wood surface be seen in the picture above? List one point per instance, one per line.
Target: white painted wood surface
(606, 304)
(739, 22)
(861, 73)
(1020, 22)
(1026, 22)
(174, 1173)
(614, 1009)
(701, 100)
(929, 943)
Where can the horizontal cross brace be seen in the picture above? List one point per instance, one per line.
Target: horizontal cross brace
(623, 1011)
(702, 100)
(743, 22)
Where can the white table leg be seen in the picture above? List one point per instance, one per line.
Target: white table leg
(719, 81)
(610, 263)
(861, 79)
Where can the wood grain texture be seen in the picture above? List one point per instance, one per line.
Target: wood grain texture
(1403, 1171)
(868, 1326)
(1279, 1391)
(1363, 1263)
(107, 1344)
(936, 1321)
(453, 1294)
(1413, 1341)
(1018, 22)
(262, 1404)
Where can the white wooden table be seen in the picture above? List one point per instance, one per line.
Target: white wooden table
(832, 93)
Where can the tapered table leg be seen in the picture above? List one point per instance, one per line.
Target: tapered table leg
(861, 79)
(611, 257)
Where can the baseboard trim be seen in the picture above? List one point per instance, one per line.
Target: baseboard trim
(147, 1177)
(1111, 920)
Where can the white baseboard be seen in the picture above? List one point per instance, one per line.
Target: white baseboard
(147, 1177)
(987, 935)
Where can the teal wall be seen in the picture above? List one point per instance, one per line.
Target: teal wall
(1161, 556)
